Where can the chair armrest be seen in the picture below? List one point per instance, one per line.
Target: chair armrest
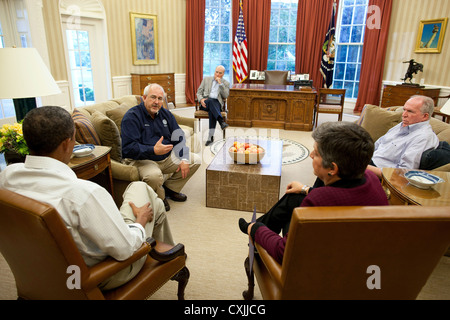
(272, 266)
(124, 172)
(110, 266)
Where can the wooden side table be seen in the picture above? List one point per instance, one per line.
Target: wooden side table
(92, 165)
(403, 193)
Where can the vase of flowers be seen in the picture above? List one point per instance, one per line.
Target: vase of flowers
(12, 143)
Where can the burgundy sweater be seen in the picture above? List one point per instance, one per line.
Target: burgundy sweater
(367, 192)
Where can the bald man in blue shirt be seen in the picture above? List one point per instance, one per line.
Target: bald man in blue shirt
(153, 142)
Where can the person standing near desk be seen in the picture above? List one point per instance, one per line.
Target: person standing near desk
(211, 95)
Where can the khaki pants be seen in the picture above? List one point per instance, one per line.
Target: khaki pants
(140, 193)
(152, 173)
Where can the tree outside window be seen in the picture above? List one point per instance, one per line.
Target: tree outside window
(349, 46)
(218, 44)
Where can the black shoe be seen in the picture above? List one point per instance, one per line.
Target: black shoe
(175, 196)
(243, 225)
(209, 141)
(224, 125)
(166, 204)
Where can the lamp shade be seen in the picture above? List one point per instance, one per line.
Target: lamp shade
(24, 74)
(446, 108)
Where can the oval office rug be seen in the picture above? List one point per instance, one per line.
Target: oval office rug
(293, 151)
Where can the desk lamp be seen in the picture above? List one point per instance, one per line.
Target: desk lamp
(23, 77)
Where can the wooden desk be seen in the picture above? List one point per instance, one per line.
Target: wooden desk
(403, 193)
(90, 166)
(271, 106)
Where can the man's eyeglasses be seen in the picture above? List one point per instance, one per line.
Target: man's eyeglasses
(153, 97)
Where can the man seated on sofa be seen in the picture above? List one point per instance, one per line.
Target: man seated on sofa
(153, 142)
(403, 145)
(98, 228)
(211, 95)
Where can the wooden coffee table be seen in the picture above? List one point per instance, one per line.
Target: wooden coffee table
(403, 193)
(243, 186)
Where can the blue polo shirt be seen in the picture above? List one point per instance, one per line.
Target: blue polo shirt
(140, 132)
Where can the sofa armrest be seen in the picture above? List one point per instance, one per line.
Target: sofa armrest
(184, 120)
(124, 172)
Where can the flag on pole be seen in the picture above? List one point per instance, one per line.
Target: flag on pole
(328, 52)
(240, 53)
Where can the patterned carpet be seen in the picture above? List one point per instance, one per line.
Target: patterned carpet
(293, 151)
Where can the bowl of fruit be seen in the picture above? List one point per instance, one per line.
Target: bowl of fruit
(245, 152)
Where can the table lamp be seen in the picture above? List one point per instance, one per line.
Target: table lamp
(23, 77)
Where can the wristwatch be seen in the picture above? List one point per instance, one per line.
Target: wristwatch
(305, 189)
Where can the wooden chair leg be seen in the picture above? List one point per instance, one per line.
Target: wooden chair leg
(182, 277)
(248, 294)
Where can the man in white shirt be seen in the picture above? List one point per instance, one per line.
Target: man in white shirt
(87, 209)
(211, 95)
(402, 146)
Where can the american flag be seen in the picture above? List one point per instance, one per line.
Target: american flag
(240, 50)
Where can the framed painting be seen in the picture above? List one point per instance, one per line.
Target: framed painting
(431, 35)
(144, 38)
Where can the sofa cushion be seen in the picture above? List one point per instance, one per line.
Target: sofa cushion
(378, 121)
(109, 134)
(85, 131)
(435, 158)
(117, 114)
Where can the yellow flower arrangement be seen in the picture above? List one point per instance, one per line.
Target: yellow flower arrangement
(11, 139)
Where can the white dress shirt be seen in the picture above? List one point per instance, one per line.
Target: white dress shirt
(402, 147)
(87, 209)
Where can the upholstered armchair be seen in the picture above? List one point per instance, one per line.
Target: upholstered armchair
(275, 77)
(385, 252)
(40, 251)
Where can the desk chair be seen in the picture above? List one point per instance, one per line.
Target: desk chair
(202, 114)
(346, 252)
(330, 101)
(39, 249)
(276, 77)
(437, 111)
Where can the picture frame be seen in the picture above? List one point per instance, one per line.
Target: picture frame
(431, 35)
(253, 74)
(144, 38)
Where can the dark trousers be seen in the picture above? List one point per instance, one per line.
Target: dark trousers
(214, 110)
(278, 218)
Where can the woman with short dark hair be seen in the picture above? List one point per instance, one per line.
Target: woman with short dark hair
(342, 151)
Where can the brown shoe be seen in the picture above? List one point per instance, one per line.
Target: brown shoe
(166, 204)
(175, 196)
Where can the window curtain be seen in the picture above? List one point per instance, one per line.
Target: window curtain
(313, 19)
(374, 54)
(257, 28)
(195, 38)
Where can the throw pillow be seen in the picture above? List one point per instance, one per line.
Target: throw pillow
(435, 158)
(378, 121)
(85, 131)
(109, 134)
(117, 114)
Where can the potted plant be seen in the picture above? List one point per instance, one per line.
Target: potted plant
(12, 143)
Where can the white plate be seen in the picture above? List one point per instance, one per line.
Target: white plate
(422, 180)
(83, 150)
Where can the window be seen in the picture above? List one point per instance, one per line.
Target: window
(218, 44)
(283, 23)
(80, 67)
(349, 46)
